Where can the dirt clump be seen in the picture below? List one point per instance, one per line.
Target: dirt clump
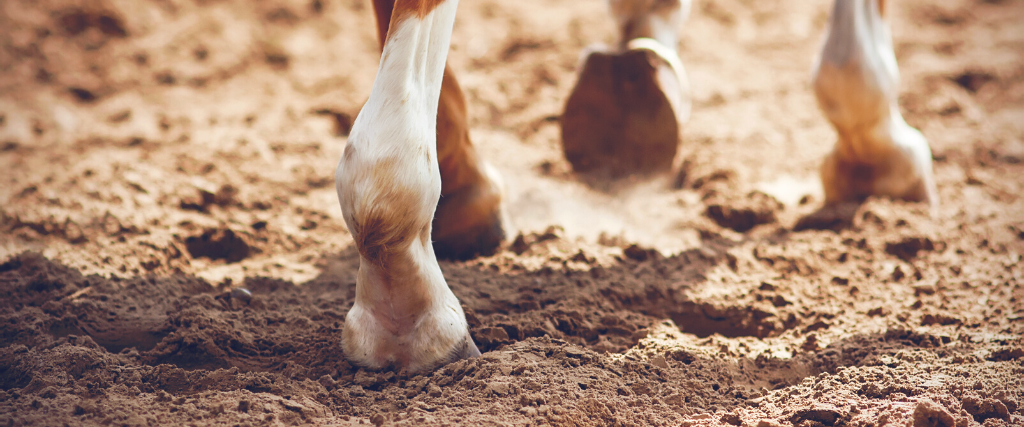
(742, 215)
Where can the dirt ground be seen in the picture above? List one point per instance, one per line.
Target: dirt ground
(157, 156)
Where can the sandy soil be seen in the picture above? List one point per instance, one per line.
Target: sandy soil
(157, 156)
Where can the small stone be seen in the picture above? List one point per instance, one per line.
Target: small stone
(433, 390)
(244, 405)
(377, 419)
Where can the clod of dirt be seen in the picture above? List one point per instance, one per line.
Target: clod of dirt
(943, 319)
(744, 215)
(490, 338)
(523, 242)
(218, 244)
(1007, 354)
(637, 253)
(205, 197)
(982, 409)
(930, 414)
(908, 248)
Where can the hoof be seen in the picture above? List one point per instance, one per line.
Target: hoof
(418, 330)
(856, 82)
(424, 351)
(471, 221)
(903, 173)
(625, 114)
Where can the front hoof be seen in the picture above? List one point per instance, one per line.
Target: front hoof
(441, 337)
(902, 175)
(383, 359)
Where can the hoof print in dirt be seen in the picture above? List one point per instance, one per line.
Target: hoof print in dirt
(741, 216)
(217, 244)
